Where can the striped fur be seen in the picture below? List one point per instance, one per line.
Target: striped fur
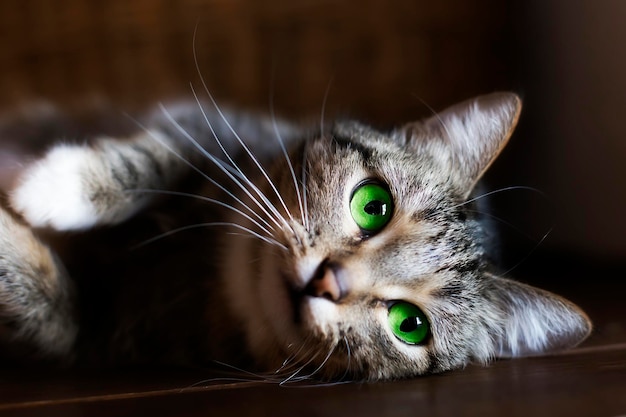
(201, 236)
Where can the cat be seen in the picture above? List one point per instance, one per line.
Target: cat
(336, 252)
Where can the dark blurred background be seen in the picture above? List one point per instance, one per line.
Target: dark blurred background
(386, 62)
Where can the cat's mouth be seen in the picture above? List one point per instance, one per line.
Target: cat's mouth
(316, 287)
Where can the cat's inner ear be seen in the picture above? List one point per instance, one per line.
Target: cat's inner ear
(470, 135)
(528, 321)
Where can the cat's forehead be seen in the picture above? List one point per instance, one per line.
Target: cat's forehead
(357, 133)
(424, 203)
(352, 152)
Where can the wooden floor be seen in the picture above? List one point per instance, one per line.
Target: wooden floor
(587, 381)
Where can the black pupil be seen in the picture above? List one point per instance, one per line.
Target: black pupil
(375, 208)
(409, 324)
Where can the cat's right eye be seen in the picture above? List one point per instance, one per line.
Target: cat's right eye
(371, 206)
(408, 323)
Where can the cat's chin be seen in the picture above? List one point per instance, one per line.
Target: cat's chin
(306, 310)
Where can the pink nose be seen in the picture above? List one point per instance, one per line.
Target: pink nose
(330, 282)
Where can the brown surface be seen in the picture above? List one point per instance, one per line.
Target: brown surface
(133, 52)
(587, 381)
(381, 56)
(584, 382)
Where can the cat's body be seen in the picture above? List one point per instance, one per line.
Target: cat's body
(349, 253)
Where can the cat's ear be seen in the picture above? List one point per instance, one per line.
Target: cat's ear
(470, 134)
(526, 321)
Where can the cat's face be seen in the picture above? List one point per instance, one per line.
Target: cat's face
(379, 270)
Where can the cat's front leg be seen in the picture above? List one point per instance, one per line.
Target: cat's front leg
(36, 301)
(76, 187)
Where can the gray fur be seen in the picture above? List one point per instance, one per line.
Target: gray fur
(279, 277)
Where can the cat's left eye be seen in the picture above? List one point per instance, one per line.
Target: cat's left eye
(408, 323)
(371, 206)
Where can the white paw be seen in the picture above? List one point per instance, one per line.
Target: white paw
(51, 193)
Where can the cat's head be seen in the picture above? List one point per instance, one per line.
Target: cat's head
(379, 271)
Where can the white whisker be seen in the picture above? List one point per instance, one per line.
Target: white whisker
(237, 173)
(285, 154)
(157, 139)
(232, 130)
(243, 371)
(304, 193)
(206, 382)
(504, 222)
(310, 375)
(286, 362)
(439, 119)
(208, 200)
(349, 355)
(221, 165)
(521, 261)
(324, 101)
(500, 190)
(211, 224)
(294, 376)
(233, 167)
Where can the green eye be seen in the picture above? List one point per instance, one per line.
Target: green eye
(408, 323)
(371, 206)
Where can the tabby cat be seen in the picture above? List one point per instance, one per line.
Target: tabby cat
(331, 252)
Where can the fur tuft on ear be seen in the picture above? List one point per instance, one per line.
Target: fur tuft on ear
(530, 321)
(469, 135)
